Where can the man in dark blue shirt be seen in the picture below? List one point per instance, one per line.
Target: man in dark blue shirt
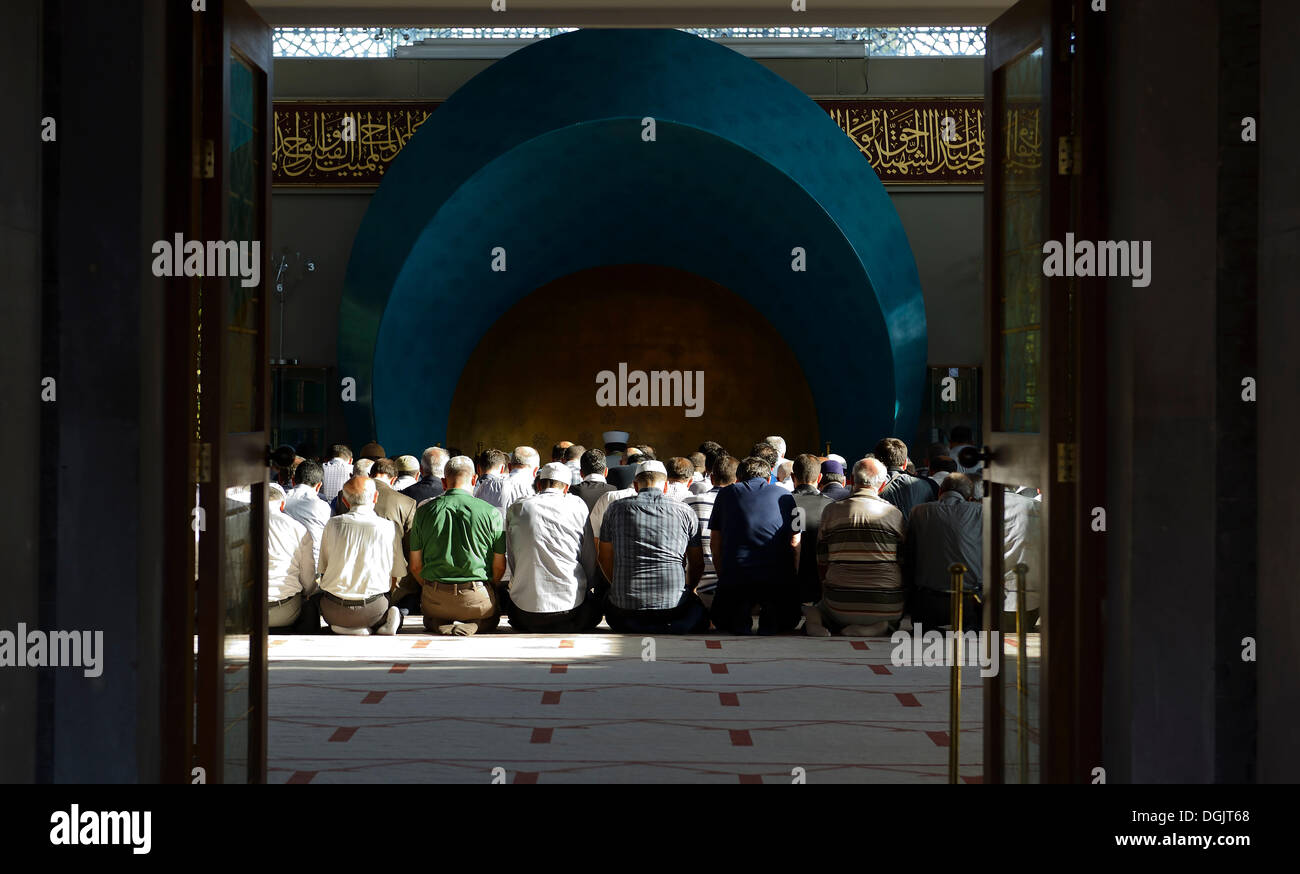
(755, 550)
(832, 481)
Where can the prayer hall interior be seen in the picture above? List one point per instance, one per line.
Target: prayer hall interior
(651, 224)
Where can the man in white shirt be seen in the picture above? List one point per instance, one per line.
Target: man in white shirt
(778, 443)
(784, 472)
(304, 505)
(958, 439)
(551, 558)
(407, 470)
(1021, 543)
(492, 478)
(615, 447)
(359, 551)
(597, 516)
(711, 451)
(524, 462)
(290, 569)
(680, 476)
(698, 461)
(573, 461)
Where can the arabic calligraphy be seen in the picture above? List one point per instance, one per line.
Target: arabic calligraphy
(314, 145)
(928, 141)
(913, 141)
(1024, 144)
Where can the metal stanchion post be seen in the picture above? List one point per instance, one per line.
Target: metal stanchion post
(958, 571)
(1022, 674)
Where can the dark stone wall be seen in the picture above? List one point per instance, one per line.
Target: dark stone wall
(1278, 607)
(81, 306)
(1162, 152)
(20, 362)
(1202, 542)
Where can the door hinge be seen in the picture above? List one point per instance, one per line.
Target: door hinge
(1066, 459)
(1069, 155)
(205, 160)
(202, 456)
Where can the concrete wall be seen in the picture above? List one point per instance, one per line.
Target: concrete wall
(943, 224)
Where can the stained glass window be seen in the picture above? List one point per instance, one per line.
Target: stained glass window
(383, 42)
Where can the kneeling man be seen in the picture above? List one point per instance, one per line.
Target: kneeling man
(551, 557)
(859, 544)
(358, 553)
(458, 555)
(290, 570)
(650, 551)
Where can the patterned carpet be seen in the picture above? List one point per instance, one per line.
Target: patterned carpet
(518, 708)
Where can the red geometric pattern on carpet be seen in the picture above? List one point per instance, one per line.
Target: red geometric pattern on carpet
(940, 738)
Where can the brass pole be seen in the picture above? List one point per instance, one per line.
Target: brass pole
(958, 570)
(1022, 674)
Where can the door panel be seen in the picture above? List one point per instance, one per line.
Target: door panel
(1027, 202)
(236, 113)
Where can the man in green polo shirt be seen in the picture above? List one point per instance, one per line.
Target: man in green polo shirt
(458, 553)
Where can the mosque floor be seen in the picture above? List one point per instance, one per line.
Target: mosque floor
(613, 708)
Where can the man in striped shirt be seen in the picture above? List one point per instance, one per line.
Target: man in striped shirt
(335, 472)
(858, 549)
(724, 474)
(650, 552)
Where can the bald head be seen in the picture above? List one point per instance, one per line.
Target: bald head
(869, 473)
(524, 456)
(458, 473)
(360, 491)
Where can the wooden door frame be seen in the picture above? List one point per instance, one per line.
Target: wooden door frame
(180, 449)
(237, 458)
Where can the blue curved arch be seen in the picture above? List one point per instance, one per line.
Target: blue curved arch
(743, 168)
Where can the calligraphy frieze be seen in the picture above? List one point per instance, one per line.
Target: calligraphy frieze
(927, 141)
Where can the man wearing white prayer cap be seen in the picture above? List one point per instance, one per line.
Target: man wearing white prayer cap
(615, 446)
